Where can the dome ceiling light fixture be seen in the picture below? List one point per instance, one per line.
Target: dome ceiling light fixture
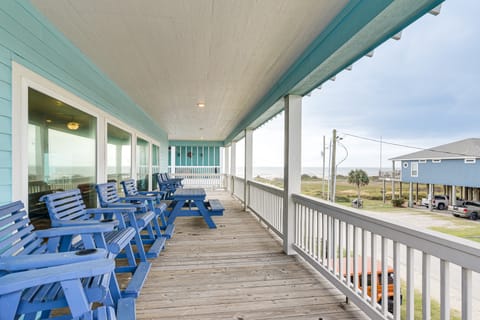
(72, 125)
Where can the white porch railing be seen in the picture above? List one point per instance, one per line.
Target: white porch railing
(208, 177)
(238, 187)
(267, 203)
(334, 239)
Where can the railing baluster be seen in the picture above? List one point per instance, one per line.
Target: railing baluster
(410, 284)
(348, 249)
(319, 236)
(426, 307)
(444, 290)
(364, 264)
(384, 276)
(374, 275)
(340, 250)
(396, 281)
(355, 258)
(466, 294)
(334, 245)
(324, 239)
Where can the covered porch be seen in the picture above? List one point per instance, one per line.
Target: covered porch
(237, 271)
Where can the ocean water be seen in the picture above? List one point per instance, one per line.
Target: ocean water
(277, 172)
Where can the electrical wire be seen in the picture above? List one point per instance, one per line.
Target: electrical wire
(410, 147)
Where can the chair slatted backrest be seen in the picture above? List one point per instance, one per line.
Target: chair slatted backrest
(107, 193)
(66, 205)
(129, 187)
(16, 236)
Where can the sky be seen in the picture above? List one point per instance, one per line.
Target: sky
(421, 91)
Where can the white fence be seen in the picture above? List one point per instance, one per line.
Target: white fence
(208, 177)
(340, 242)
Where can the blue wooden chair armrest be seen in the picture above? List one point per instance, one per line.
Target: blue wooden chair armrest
(75, 230)
(137, 206)
(74, 223)
(109, 210)
(14, 282)
(152, 193)
(138, 198)
(26, 262)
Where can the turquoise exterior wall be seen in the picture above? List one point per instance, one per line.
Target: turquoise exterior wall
(27, 38)
(448, 172)
(194, 153)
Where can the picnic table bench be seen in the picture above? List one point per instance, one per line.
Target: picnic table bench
(191, 202)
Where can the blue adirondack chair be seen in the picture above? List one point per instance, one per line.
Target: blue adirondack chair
(154, 202)
(141, 219)
(37, 275)
(67, 208)
(165, 186)
(177, 182)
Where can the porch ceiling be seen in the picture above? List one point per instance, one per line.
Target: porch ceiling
(237, 57)
(169, 55)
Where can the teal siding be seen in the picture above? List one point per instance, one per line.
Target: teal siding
(196, 155)
(27, 38)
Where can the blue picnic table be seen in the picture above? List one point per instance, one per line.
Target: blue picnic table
(189, 202)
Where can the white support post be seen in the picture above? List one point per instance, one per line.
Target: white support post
(453, 196)
(292, 167)
(410, 195)
(248, 165)
(233, 164)
(227, 167)
(173, 153)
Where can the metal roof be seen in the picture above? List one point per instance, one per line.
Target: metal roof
(467, 148)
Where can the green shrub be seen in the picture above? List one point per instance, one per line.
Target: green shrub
(397, 202)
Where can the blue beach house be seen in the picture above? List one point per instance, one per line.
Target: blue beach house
(455, 164)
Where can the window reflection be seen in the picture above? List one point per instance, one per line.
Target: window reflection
(61, 151)
(119, 155)
(155, 165)
(142, 164)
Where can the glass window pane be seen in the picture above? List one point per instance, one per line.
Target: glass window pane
(155, 164)
(142, 164)
(119, 155)
(61, 151)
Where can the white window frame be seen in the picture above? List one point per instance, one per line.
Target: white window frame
(422, 161)
(436, 160)
(23, 79)
(414, 168)
(470, 160)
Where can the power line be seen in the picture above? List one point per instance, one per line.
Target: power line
(407, 146)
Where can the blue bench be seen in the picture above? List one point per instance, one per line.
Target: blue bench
(215, 207)
(37, 277)
(67, 208)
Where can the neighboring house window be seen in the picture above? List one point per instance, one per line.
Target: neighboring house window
(422, 161)
(470, 160)
(414, 169)
(436, 161)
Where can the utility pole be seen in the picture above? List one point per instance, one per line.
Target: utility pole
(323, 170)
(333, 168)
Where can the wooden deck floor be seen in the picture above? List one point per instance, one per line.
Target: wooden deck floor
(237, 271)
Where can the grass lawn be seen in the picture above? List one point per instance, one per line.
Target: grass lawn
(434, 306)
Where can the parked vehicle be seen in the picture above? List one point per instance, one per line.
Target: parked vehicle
(439, 202)
(390, 278)
(470, 209)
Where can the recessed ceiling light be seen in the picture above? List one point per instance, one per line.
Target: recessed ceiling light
(201, 104)
(48, 121)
